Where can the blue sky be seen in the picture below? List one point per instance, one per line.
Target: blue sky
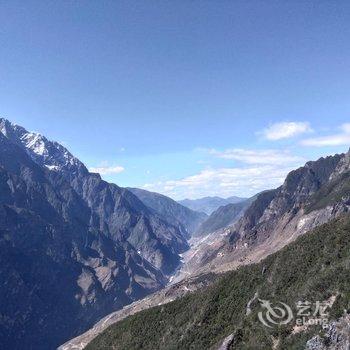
(188, 98)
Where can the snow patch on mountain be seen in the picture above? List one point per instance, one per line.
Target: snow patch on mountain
(35, 142)
(51, 154)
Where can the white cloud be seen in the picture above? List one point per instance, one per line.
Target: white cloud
(285, 130)
(264, 156)
(224, 182)
(346, 128)
(107, 170)
(339, 139)
(261, 170)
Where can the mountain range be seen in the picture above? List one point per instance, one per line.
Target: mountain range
(208, 205)
(312, 208)
(224, 216)
(310, 196)
(187, 220)
(227, 315)
(73, 247)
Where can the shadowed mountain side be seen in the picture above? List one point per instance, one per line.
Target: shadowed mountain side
(73, 247)
(171, 211)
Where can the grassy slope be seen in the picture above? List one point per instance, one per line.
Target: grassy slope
(314, 267)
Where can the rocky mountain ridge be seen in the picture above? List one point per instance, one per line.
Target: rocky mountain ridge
(73, 247)
(61, 225)
(114, 210)
(273, 220)
(231, 313)
(279, 216)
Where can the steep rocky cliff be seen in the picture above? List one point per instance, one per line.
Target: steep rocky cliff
(72, 246)
(309, 197)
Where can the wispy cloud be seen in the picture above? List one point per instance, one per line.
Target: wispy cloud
(285, 130)
(107, 170)
(223, 182)
(338, 139)
(260, 170)
(263, 156)
(244, 171)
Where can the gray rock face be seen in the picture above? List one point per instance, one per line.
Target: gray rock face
(226, 343)
(72, 246)
(310, 196)
(336, 337)
(114, 211)
(163, 296)
(288, 200)
(171, 211)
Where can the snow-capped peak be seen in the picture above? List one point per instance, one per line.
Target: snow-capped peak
(48, 153)
(35, 142)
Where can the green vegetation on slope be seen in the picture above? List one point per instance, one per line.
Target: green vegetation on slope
(314, 267)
